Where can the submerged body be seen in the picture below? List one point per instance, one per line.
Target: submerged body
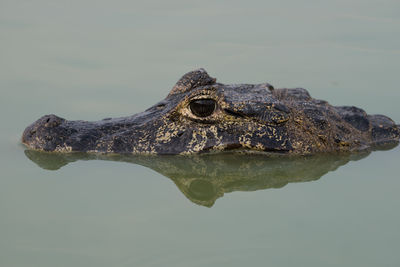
(201, 115)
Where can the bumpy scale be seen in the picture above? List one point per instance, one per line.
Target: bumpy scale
(201, 115)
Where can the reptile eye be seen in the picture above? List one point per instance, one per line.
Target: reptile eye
(202, 107)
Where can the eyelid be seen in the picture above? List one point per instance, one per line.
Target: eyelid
(203, 96)
(200, 97)
(209, 93)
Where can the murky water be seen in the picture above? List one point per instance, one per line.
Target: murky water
(95, 59)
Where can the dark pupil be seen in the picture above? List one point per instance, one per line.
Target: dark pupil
(202, 107)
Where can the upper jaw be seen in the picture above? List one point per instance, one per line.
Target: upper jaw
(45, 134)
(54, 134)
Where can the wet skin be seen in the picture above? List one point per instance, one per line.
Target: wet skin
(201, 115)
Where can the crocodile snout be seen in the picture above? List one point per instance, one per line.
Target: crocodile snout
(45, 133)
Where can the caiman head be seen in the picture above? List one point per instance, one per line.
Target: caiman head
(201, 115)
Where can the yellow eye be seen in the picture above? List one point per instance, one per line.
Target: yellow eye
(202, 107)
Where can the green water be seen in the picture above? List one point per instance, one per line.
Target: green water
(95, 59)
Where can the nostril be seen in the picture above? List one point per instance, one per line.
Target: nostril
(50, 121)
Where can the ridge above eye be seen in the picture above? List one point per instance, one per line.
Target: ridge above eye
(202, 107)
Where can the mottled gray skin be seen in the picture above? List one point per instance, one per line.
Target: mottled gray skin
(247, 117)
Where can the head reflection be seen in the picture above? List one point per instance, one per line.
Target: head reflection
(205, 178)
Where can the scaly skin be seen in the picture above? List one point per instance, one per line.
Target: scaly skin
(247, 117)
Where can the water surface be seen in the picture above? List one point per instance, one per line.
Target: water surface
(95, 59)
